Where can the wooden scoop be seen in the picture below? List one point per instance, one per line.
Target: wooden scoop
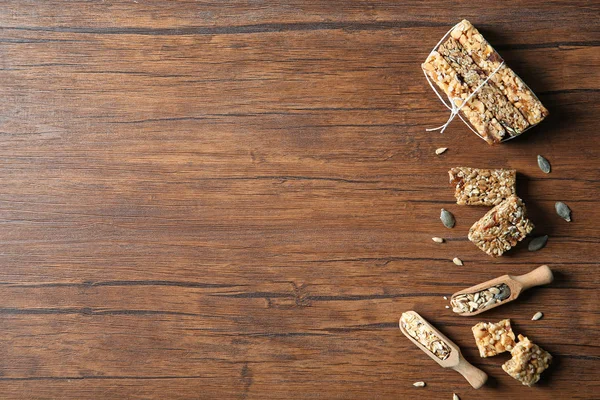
(455, 360)
(517, 284)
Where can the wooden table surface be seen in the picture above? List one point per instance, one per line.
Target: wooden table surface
(235, 200)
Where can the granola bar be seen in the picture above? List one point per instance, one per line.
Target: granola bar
(486, 187)
(505, 78)
(474, 110)
(502, 227)
(492, 339)
(493, 99)
(422, 334)
(528, 362)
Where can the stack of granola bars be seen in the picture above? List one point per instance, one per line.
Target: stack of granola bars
(502, 107)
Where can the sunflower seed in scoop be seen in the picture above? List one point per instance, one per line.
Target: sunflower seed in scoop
(538, 315)
(562, 210)
(543, 164)
(447, 218)
(419, 384)
(537, 243)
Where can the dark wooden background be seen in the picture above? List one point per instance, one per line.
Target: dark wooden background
(235, 200)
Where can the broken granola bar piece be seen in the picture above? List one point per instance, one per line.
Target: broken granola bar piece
(485, 187)
(528, 362)
(492, 339)
(502, 227)
(486, 58)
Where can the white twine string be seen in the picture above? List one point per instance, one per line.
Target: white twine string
(454, 109)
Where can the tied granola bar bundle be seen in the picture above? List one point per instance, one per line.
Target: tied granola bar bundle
(489, 97)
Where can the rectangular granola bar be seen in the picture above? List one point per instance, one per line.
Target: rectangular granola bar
(485, 187)
(528, 362)
(492, 339)
(505, 78)
(502, 227)
(474, 110)
(492, 97)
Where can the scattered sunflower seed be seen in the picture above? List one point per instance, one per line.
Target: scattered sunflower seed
(447, 306)
(438, 239)
(419, 384)
(440, 150)
(538, 315)
(445, 298)
(537, 243)
(563, 210)
(543, 164)
(457, 261)
(447, 218)
(455, 396)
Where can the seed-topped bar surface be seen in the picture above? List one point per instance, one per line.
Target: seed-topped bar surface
(502, 227)
(485, 187)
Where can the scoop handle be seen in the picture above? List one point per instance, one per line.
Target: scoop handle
(539, 276)
(473, 375)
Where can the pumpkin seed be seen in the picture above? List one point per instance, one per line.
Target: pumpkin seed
(538, 315)
(447, 218)
(440, 150)
(504, 292)
(537, 243)
(563, 210)
(543, 164)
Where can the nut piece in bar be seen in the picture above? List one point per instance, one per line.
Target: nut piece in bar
(492, 97)
(484, 55)
(492, 339)
(528, 362)
(482, 120)
(422, 334)
(485, 187)
(502, 227)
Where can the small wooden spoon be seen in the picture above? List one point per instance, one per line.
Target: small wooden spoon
(517, 284)
(455, 360)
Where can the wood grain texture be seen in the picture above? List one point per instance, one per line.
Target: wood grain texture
(236, 199)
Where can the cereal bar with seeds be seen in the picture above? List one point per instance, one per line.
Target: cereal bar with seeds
(505, 78)
(492, 339)
(528, 362)
(493, 99)
(482, 187)
(474, 110)
(422, 334)
(502, 227)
